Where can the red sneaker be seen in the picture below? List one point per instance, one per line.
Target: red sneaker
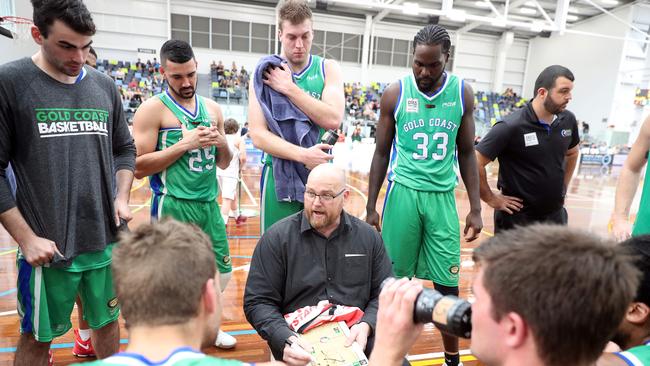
(82, 348)
(50, 358)
(240, 219)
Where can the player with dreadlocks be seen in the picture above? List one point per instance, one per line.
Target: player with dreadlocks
(426, 116)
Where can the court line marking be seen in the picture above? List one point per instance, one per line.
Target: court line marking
(140, 185)
(8, 252)
(8, 292)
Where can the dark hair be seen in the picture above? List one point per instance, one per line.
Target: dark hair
(176, 51)
(92, 51)
(639, 247)
(71, 12)
(571, 287)
(547, 77)
(432, 35)
(295, 11)
(230, 126)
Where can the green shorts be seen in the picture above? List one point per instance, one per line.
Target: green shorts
(205, 215)
(273, 210)
(422, 234)
(46, 297)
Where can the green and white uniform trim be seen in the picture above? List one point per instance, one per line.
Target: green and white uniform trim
(312, 80)
(636, 356)
(425, 135)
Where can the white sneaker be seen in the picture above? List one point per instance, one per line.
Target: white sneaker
(225, 340)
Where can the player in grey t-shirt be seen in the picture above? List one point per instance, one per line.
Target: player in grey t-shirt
(63, 130)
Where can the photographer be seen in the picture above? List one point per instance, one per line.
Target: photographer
(560, 308)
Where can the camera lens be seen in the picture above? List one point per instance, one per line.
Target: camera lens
(329, 137)
(450, 314)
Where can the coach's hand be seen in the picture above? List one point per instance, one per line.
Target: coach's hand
(316, 155)
(359, 333)
(38, 251)
(473, 225)
(298, 354)
(372, 218)
(509, 204)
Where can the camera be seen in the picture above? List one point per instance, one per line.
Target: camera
(329, 137)
(450, 314)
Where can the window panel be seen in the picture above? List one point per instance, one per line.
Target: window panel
(400, 46)
(383, 58)
(334, 39)
(200, 39)
(333, 53)
(260, 30)
(240, 28)
(180, 22)
(240, 43)
(220, 42)
(351, 40)
(399, 59)
(221, 26)
(200, 24)
(260, 45)
(181, 35)
(384, 44)
(351, 55)
(319, 37)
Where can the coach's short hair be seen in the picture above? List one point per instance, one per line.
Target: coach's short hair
(72, 13)
(159, 272)
(546, 78)
(294, 11)
(571, 287)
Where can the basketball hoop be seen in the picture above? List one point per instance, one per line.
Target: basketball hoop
(16, 28)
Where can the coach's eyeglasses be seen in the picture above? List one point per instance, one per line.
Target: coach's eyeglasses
(325, 197)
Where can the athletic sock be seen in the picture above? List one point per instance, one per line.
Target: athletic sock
(452, 360)
(84, 334)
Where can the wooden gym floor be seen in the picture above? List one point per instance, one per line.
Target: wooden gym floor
(590, 202)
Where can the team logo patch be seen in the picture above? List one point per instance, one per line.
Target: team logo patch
(412, 105)
(530, 139)
(112, 303)
(449, 104)
(566, 133)
(226, 259)
(454, 269)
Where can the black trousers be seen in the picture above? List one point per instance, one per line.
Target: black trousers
(504, 221)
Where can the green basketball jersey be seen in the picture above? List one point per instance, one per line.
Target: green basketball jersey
(637, 356)
(312, 80)
(181, 357)
(425, 135)
(193, 176)
(642, 223)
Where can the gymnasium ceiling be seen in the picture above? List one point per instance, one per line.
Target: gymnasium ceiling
(524, 17)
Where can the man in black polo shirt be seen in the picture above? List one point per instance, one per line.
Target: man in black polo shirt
(321, 253)
(537, 148)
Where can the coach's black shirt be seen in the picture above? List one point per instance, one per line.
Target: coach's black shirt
(531, 157)
(295, 266)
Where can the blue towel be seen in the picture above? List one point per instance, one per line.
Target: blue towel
(291, 124)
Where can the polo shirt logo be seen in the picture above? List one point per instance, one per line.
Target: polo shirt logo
(530, 139)
(566, 133)
(412, 105)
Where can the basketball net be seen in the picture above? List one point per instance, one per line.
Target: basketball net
(19, 27)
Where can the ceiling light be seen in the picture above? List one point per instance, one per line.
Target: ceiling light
(499, 22)
(572, 18)
(609, 2)
(573, 9)
(530, 3)
(411, 8)
(482, 4)
(528, 11)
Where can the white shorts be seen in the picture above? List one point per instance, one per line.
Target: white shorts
(228, 187)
